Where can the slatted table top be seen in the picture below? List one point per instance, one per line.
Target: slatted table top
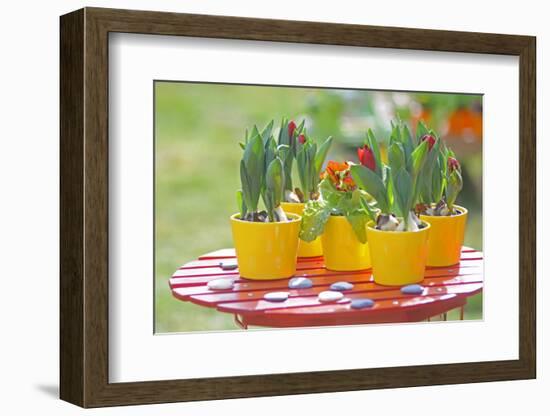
(445, 288)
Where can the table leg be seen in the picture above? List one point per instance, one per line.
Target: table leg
(240, 323)
(462, 313)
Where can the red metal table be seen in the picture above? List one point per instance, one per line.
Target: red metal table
(445, 289)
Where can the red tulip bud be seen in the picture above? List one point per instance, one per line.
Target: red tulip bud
(453, 164)
(430, 139)
(291, 128)
(366, 157)
(302, 139)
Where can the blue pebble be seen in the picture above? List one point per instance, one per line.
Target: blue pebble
(412, 289)
(362, 303)
(341, 286)
(300, 283)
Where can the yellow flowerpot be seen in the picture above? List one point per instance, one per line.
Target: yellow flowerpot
(398, 257)
(341, 248)
(305, 249)
(266, 250)
(446, 237)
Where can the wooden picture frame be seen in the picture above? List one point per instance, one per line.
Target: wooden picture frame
(84, 207)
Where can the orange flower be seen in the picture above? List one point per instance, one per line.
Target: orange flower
(333, 169)
(347, 182)
(339, 175)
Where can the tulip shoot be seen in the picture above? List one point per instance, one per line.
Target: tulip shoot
(262, 175)
(274, 191)
(421, 176)
(309, 161)
(441, 180)
(395, 187)
(453, 181)
(288, 133)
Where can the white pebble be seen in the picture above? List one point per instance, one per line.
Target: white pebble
(220, 284)
(276, 296)
(330, 296)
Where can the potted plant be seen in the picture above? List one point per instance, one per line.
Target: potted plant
(398, 240)
(339, 217)
(441, 185)
(266, 241)
(309, 162)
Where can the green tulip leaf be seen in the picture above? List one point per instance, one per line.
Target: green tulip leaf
(408, 146)
(274, 181)
(266, 133)
(426, 180)
(252, 172)
(421, 130)
(255, 132)
(388, 183)
(322, 155)
(283, 133)
(270, 151)
(371, 211)
(373, 144)
(250, 198)
(403, 192)
(418, 158)
(396, 156)
(241, 204)
(454, 186)
(371, 183)
(437, 185)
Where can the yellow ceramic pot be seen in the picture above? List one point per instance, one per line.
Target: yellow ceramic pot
(266, 250)
(398, 257)
(446, 237)
(341, 248)
(305, 249)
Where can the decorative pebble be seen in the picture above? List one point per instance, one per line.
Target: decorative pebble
(341, 286)
(228, 265)
(412, 289)
(362, 303)
(300, 283)
(220, 284)
(276, 296)
(330, 296)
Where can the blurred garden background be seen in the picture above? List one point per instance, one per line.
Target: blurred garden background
(197, 130)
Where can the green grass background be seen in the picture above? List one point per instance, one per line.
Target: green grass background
(197, 130)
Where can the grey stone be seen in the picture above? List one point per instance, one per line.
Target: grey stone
(276, 296)
(228, 265)
(341, 286)
(300, 283)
